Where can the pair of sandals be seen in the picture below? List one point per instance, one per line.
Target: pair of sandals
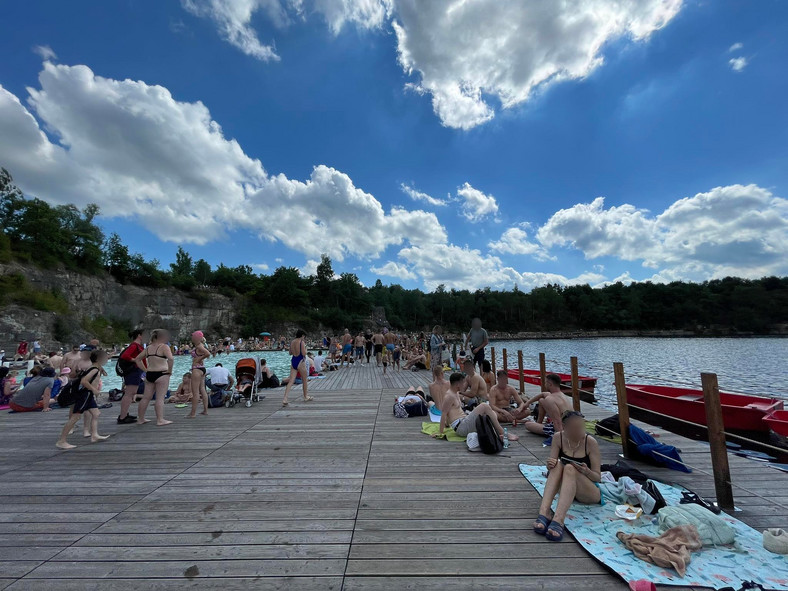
(689, 497)
(307, 399)
(552, 530)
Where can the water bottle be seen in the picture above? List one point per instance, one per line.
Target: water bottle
(505, 438)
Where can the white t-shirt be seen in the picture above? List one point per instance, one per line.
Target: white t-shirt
(319, 362)
(408, 398)
(219, 375)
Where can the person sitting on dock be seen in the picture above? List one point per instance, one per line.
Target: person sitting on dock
(501, 396)
(552, 405)
(477, 389)
(572, 476)
(463, 423)
(183, 394)
(439, 386)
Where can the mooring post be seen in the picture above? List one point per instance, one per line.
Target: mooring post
(575, 385)
(505, 361)
(521, 374)
(492, 354)
(716, 431)
(623, 407)
(543, 371)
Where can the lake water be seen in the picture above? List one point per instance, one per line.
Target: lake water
(749, 365)
(278, 361)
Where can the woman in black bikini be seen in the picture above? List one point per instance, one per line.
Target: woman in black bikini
(298, 366)
(576, 477)
(157, 376)
(199, 354)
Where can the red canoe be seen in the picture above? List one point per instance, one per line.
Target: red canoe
(778, 426)
(532, 376)
(739, 412)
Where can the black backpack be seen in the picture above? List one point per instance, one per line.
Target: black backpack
(489, 440)
(123, 367)
(608, 427)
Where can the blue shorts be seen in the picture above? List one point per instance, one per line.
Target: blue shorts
(347, 349)
(390, 347)
(133, 378)
(549, 429)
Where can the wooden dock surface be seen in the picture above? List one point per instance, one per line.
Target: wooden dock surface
(331, 494)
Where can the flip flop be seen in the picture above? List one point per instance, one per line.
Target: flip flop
(285, 404)
(308, 399)
(558, 531)
(688, 498)
(181, 405)
(545, 522)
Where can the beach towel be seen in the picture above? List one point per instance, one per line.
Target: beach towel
(595, 528)
(670, 550)
(434, 429)
(611, 437)
(435, 415)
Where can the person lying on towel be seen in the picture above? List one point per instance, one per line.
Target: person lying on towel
(574, 473)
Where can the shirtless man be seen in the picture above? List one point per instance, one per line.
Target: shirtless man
(552, 405)
(415, 356)
(71, 359)
(377, 342)
(501, 395)
(55, 361)
(359, 346)
(453, 416)
(477, 388)
(347, 348)
(439, 385)
(390, 340)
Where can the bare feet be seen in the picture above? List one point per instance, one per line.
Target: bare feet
(142, 421)
(85, 433)
(513, 437)
(205, 412)
(285, 404)
(98, 438)
(64, 445)
(163, 422)
(191, 416)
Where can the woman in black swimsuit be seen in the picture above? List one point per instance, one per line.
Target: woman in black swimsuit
(157, 376)
(575, 473)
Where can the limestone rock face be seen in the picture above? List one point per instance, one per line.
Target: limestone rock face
(93, 297)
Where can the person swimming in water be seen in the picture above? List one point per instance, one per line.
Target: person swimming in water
(298, 366)
(199, 354)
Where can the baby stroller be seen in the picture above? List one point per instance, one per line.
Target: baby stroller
(247, 376)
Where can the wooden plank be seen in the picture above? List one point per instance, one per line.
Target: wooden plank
(233, 583)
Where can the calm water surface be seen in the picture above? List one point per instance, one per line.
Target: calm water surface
(751, 365)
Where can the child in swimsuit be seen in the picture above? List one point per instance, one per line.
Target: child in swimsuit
(298, 366)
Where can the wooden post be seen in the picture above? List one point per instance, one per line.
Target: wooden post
(543, 371)
(492, 354)
(505, 361)
(522, 375)
(623, 408)
(716, 429)
(575, 385)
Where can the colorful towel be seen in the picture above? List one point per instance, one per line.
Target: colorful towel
(591, 430)
(595, 527)
(435, 417)
(435, 428)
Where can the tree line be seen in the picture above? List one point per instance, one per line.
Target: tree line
(50, 236)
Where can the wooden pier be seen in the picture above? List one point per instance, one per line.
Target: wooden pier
(331, 494)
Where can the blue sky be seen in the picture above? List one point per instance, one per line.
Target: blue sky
(265, 132)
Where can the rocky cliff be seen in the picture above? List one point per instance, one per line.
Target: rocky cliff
(101, 304)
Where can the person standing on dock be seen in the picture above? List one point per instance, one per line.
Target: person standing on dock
(478, 340)
(377, 341)
(437, 345)
(199, 354)
(347, 348)
(298, 366)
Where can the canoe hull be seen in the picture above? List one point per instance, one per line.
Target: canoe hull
(777, 422)
(739, 413)
(533, 376)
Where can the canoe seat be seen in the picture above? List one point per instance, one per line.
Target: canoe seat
(690, 397)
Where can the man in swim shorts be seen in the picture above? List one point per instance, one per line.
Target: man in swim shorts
(359, 345)
(552, 405)
(377, 341)
(389, 340)
(463, 423)
(501, 395)
(347, 347)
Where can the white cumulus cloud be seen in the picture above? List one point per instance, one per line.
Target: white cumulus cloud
(739, 230)
(738, 64)
(735, 47)
(462, 52)
(233, 18)
(139, 153)
(515, 241)
(394, 269)
(475, 204)
(45, 52)
(420, 196)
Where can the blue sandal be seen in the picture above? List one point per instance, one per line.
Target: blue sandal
(544, 522)
(558, 532)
